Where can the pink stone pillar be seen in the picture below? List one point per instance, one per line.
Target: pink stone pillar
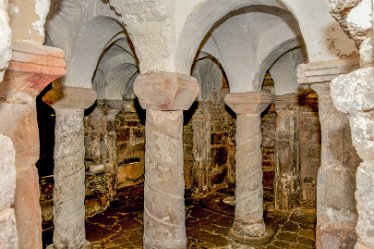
(31, 69)
(336, 206)
(164, 95)
(69, 169)
(249, 221)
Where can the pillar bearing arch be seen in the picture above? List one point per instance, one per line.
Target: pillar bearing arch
(287, 154)
(164, 95)
(249, 221)
(336, 206)
(69, 170)
(31, 69)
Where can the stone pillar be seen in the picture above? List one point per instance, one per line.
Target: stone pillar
(164, 95)
(31, 69)
(201, 147)
(249, 221)
(69, 168)
(287, 159)
(8, 231)
(353, 93)
(336, 207)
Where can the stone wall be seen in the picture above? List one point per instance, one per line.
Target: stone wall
(209, 145)
(115, 149)
(268, 123)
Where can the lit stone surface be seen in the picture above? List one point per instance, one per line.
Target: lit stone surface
(164, 95)
(69, 169)
(249, 219)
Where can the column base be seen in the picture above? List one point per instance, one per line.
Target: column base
(87, 245)
(239, 237)
(165, 245)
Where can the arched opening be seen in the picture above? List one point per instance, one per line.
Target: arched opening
(251, 48)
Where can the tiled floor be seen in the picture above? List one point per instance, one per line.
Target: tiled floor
(208, 224)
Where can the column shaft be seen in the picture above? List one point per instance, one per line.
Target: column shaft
(69, 176)
(287, 165)
(249, 192)
(164, 95)
(336, 207)
(164, 214)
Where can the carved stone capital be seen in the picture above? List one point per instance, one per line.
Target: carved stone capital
(166, 91)
(286, 102)
(325, 71)
(75, 98)
(30, 70)
(249, 102)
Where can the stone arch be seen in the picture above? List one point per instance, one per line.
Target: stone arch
(208, 71)
(248, 41)
(275, 54)
(283, 71)
(323, 38)
(88, 48)
(116, 72)
(91, 27)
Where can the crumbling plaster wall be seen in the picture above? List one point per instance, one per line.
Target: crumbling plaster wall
(27, 19)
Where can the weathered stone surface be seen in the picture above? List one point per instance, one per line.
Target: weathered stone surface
(27, 208)
(164, 95)
(354, 92)
(8, 233)
(164, 214)
(336, 185)
(364, 195)
(7, 172)
(354, 16)
(325, 71)
(69, 176)
(32, 67)
(75, 98)
(5, 50)
(287, 182)
(248, 173)
(166, 91)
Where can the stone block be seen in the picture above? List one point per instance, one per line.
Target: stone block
(7, 172)
(129, 174)
(8, 232)
(28, 212)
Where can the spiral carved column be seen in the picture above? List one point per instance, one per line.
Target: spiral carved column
(69, 169)
(249, 221)
(164, 95)
(69, 175)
